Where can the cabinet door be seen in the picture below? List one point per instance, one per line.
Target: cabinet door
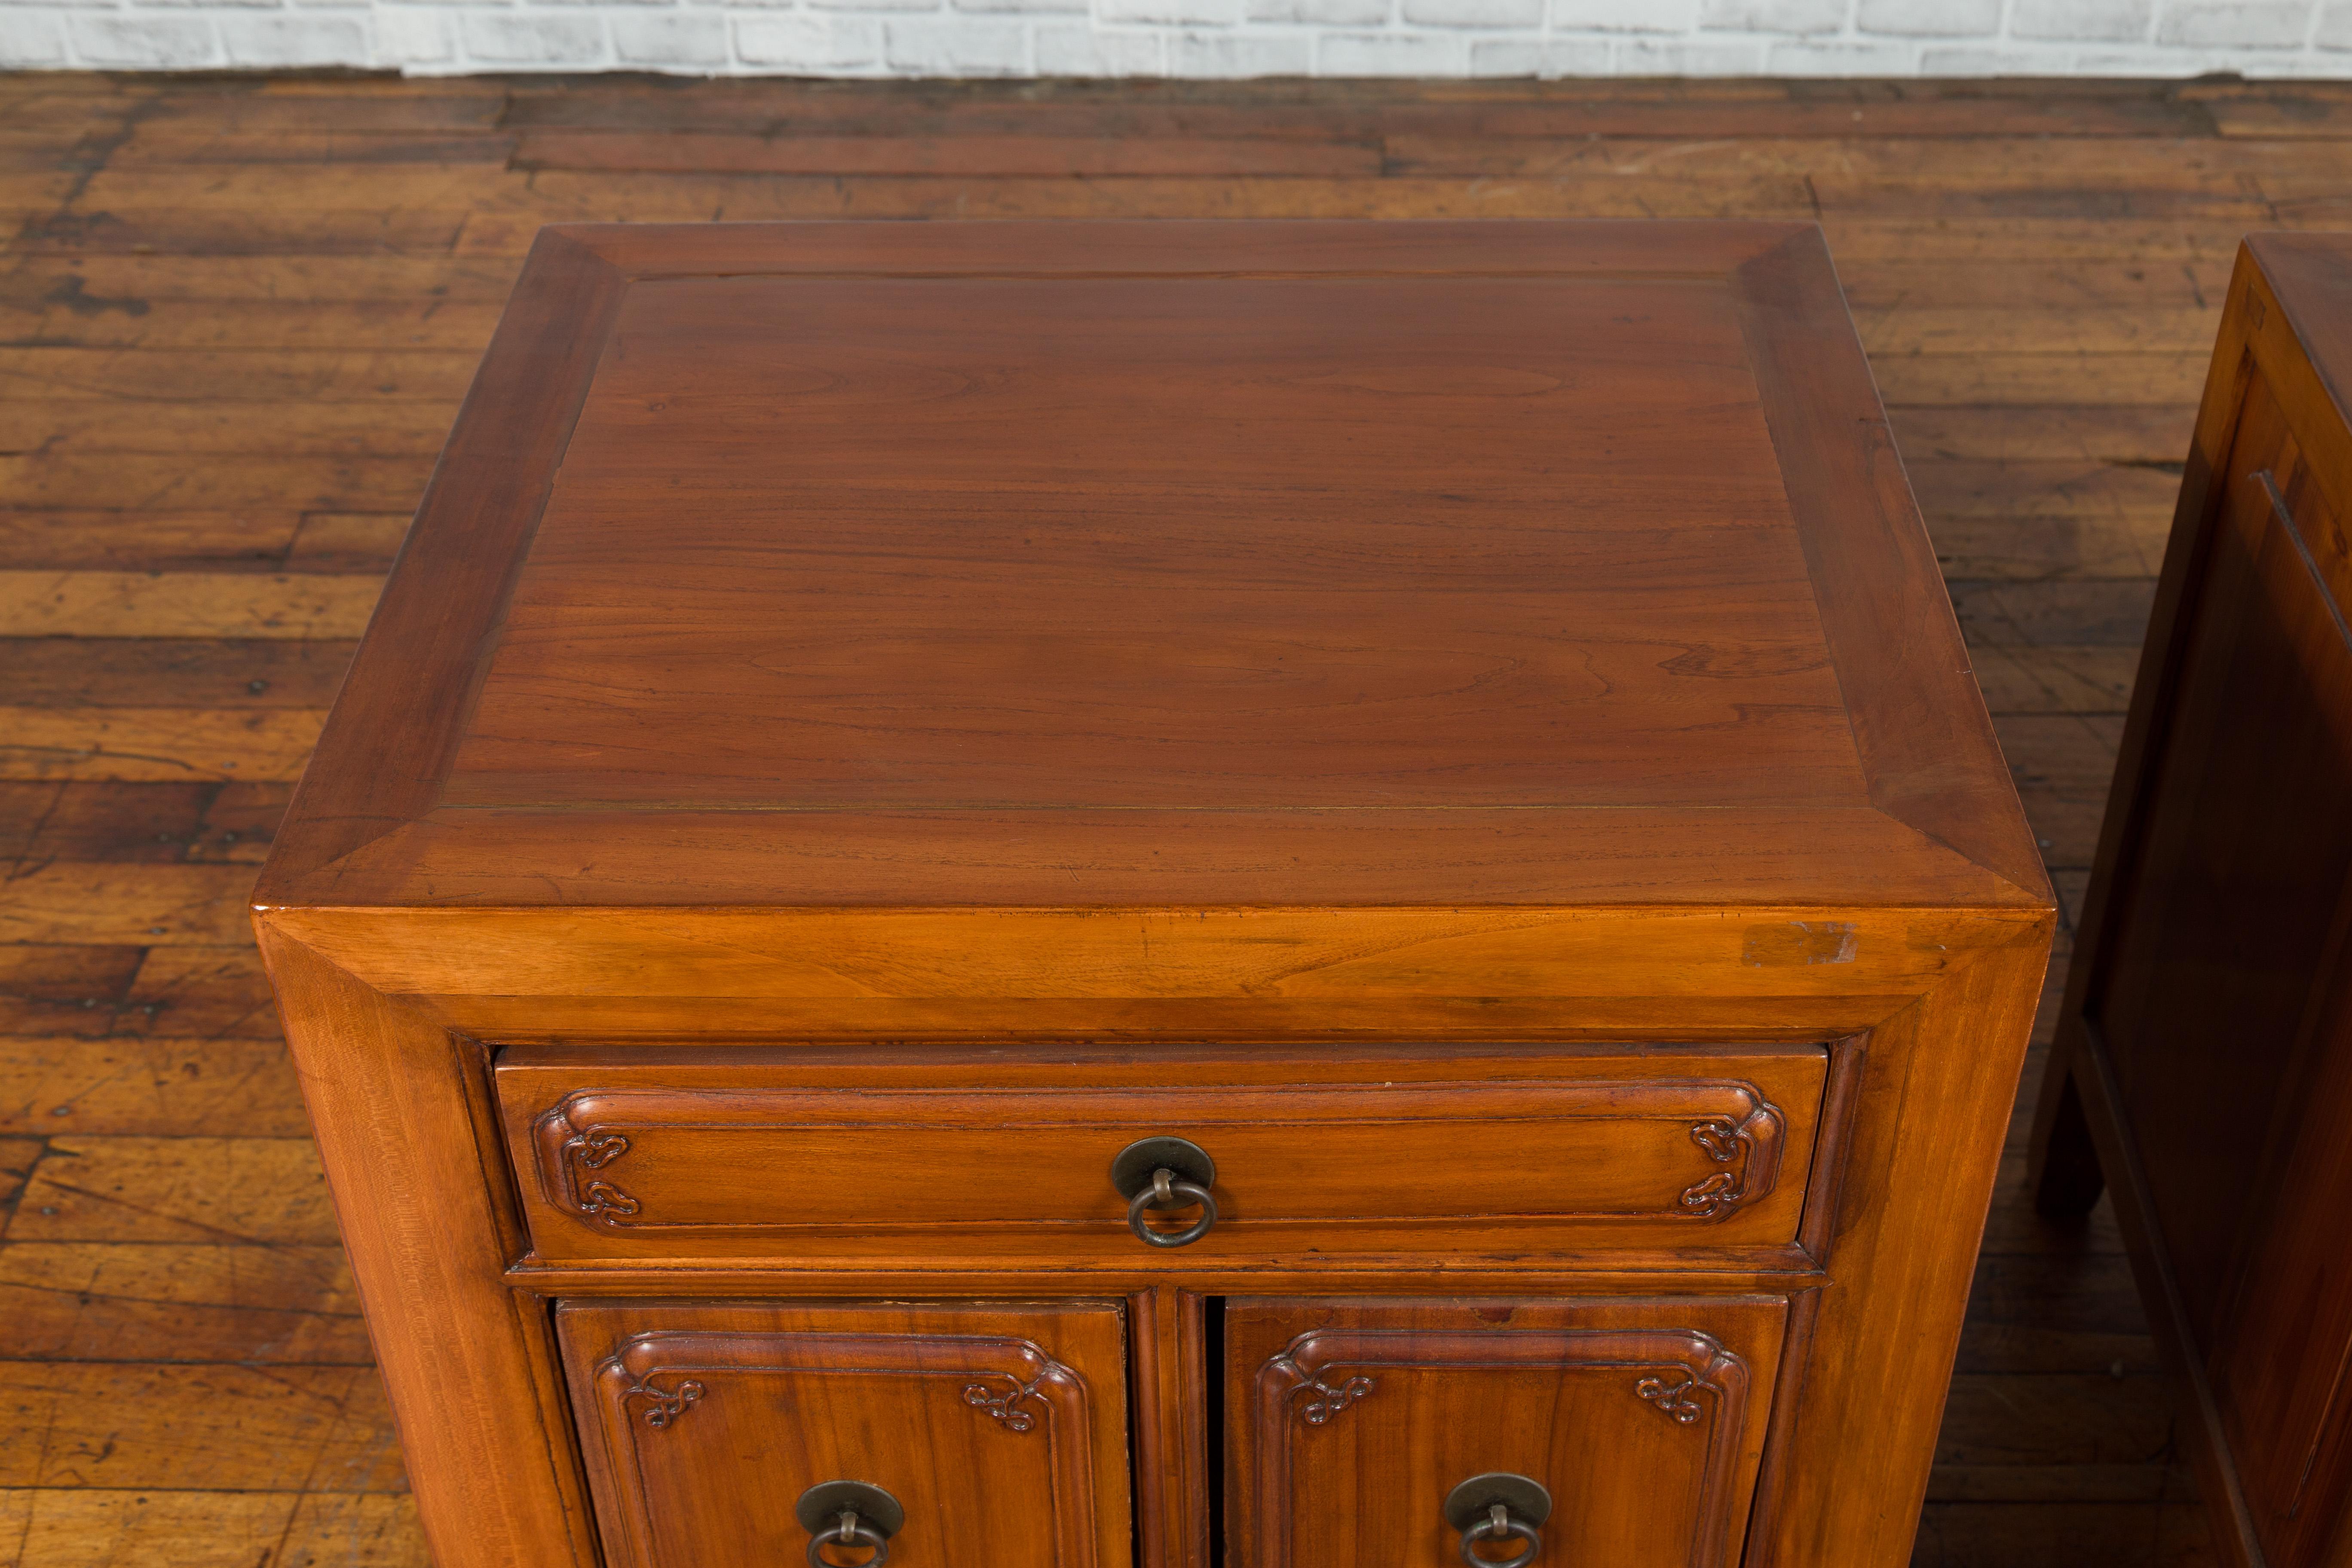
(1000, 1430)
(1352, 1422)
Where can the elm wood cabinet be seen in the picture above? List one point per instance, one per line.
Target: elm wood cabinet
(2204, 1058)
(1181, 893)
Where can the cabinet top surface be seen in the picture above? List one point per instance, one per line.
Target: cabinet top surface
(1165, 563)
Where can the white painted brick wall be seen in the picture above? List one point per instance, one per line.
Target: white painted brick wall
(1196, 37)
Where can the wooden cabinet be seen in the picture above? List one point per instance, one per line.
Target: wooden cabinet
(2205, 1050)
(1157, 887)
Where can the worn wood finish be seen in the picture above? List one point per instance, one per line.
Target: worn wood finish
(2200, 1052)
(195, 365)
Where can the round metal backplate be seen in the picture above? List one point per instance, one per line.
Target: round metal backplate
(1467, 1504)
(1130, 1172)
(820, 1507)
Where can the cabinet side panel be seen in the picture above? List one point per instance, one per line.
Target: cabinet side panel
(2229, 917)
(468, 1363)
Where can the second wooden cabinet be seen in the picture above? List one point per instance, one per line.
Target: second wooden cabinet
(995, 1435)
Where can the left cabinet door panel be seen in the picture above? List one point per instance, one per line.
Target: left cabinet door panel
(1001, 1430)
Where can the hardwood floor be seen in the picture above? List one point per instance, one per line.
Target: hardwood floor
(240, 313)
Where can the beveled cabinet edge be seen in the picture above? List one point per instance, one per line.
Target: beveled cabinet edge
(1864, 538)
(393, 729)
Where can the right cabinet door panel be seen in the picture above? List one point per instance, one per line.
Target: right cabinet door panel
(1352, 1421)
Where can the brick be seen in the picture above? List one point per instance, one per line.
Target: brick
(1388, 54)
(1020, 5)
(671, 38)
(212, 4)
(1474, 12)
(1646, 57)
(2115, 21)
(408, 35)
(1322, 13)
(525, 39)
(942, 47)
(813, 44)
(1929, 18)
(294, 39)
(1078, 49)
(1171, 12)
(1227, 55)
(1962, 60)
(1618, 16)
(1550, 59)
(2235, 24)
(2149, 62)
(156, 43)
(1774, 16)
(877, 4)
(1811, 58)
(32, 38)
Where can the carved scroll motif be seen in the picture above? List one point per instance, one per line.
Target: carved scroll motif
(1751, 1146)
(591, 1151)
(1322, 1399)
(1007, 1408)
(1673, 1396)
(662, 1405)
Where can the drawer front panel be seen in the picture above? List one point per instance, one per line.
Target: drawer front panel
(1711, 1157)
(1000, 1431)
(1351, 1423)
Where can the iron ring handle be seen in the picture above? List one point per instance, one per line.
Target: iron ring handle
(1499, 1525)
(852, 1531)
(1170, 1190)
(850, 1514)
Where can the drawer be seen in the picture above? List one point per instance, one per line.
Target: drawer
(1000, 1431)
(1350, 1424)
(1626, 1150)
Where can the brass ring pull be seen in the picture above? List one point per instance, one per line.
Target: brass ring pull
(853, 1531)
(1166, 1173)
(1167, 1193)
(1499, 1525)
(849, 1514)
(1498, 1506)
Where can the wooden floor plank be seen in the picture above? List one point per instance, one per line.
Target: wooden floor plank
(2154, 435)
(129, 1301)
(75, 902)
(297, 607)
(199, 1428)
(184, 1189)
(151, 670)
(63, 1085)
